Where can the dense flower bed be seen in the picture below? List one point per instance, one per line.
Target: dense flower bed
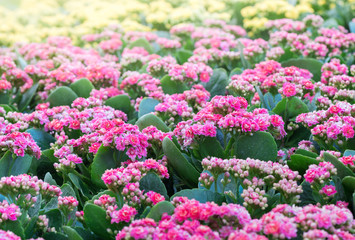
(35, 20)
(199, 132)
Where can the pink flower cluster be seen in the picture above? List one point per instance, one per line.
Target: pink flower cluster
(348, 161)
(320, 173)
(190, 72)
(125, 180)
(25, 184)
(20, 143)
(334, 125)
(229, 114)
(191, 220)
(271, 77)
(308, 38)
(161, 66)
(255, 176)
(125, 214)
(8, 235)
(9, 211)
(141, 85)
(67, 203)
(195, 220)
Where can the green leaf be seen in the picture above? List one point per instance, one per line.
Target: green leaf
(352, 26)
(42, 138)
(306, 196)
(52, 204)
(301, 163)
(342, 170)
(49, 179)
(306, 153)
(14, 166)
(296, 136)
(236, 71)
(145, 212)
(144, 68)
(151, 120)
(201, 195)
(4, 98)
(261, 145)
(27, 97)
(120, 102)
(107, 192)
(55, 236)
(95, 218)
(7, 108)
(349, 184)
(146, 106)
(67, 190)
(340, 196)
(183, 55)
(49, 153)
(103, 160)
(85, 233)
(210, 146)
(34, 210)
(349, 153)
(245, 63)
(82, 87)
(161, 207)
(141, 42)
(270, 101)
(55, 218)
(311, 64)
(294, 107)
(80, 185)
(72, 234)
(170, 87)
(287, 55)
(151, 182)
(177, 161)
(62, 96)
(21, 62)
(30, 228)
(218, 82)
(13, 226)
(330, 23)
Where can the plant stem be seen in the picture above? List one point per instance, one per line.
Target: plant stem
(230, 144)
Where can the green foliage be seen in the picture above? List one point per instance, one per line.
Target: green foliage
(151, 120)
(261, 145)
(10, 164)
(178, 162)
(201, 195)
(161, 207)
(218, 82)
(61, 96)
(82, 87)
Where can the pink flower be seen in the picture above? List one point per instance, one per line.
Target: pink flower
(289, 89)
(348, 160)
(94, 147)
(125, 214)
(342, 204)
(272, 228)
(324, 220)
(155, 197)
(328, 190)
(204, 77)
(348, 131)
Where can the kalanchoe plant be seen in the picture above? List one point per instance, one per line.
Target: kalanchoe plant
(199, 132)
